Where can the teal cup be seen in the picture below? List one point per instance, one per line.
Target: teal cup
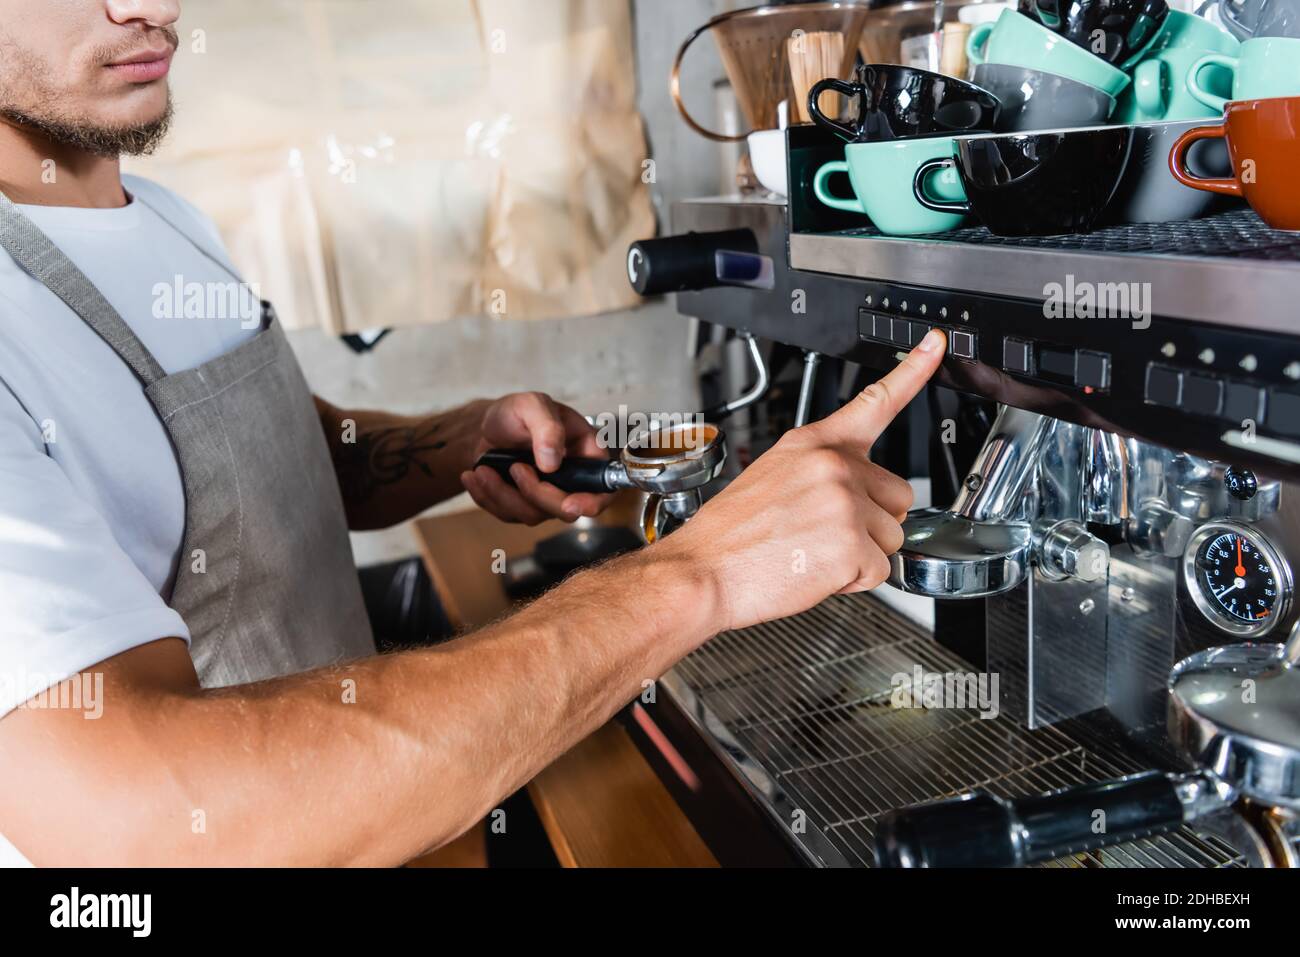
(1016, 40)
(1263, 68)
(882, 175)
(1159, 91)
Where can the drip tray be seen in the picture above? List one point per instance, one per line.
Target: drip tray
(800, 709)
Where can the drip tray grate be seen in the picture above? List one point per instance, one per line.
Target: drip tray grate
(802, 710)
(1237, 234)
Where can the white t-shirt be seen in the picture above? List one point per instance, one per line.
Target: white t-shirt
(92, 508)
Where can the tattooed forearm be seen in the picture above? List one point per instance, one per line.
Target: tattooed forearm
(384, 457)
(392, 467)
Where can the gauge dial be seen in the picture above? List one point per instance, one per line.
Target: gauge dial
(1237, 578)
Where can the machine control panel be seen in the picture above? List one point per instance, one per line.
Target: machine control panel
(1224, 397)
(1215, 390)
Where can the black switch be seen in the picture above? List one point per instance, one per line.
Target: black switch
(1202, 394)
(1092, 370)
(881, 327)
(1018, 356)
(1056, 364)
(1164, 385)
(1242, 402)
(1284, 412)
(961, 344)
(902, 333)
(866, 324)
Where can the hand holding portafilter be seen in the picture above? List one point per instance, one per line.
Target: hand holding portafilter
(671, 464)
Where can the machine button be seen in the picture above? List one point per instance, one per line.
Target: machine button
(1018, 356)
(961, 344)
(881, 327)
(866, 326)
(1056, 364)
(902, 335)
(1092, 370)
(1164, 385)
(919, 330)
(1242, 402)
(1202, 394)
(1284, 412)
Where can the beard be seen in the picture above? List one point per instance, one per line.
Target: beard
(29, 99)
(139, 140)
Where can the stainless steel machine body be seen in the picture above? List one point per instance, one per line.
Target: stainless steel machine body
(1133, 503)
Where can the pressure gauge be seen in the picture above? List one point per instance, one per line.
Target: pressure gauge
(1237, 579)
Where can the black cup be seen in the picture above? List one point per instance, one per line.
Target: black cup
(1118, 31)
(897, 102)
(1035, 184)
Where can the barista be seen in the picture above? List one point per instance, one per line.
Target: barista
(174, 508)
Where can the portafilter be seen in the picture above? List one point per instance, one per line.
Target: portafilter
(1233, 712)
(671, 464)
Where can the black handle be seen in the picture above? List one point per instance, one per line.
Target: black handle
(980, 830)
(844, 132)
(918, 187)
(683, 263)
(573, 475)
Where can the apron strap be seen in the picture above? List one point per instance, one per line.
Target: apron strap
(32, 250)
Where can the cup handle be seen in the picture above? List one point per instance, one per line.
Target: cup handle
(918, 188)
(1228, 13)
(1149, 88)
(1178, 159)
(821, 119)
(834, 202)
(1193, 79)
(975, 41)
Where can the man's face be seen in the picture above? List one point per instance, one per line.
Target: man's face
(90, 74)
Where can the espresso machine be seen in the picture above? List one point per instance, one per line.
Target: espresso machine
(1112, 452)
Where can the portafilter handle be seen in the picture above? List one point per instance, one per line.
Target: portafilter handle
(981, 830)
(573, 475)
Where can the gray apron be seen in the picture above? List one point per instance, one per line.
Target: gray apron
(265, 581)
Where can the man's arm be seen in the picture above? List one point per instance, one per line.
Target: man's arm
(393, 467)
(286, 772)
(290, 772)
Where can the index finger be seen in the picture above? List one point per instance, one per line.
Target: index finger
(866, 416)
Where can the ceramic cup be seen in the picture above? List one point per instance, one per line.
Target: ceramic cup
(1264, 152)
(1159, 90)
(1118, 31)
(1148, 193)
(1044, 183)
(767, 156)
(895, 102)
(882, 175)
(1034, 100)
(1017, 40)
(1261, 18)
(1264, 67)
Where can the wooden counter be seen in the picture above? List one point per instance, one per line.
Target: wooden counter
(601, 804)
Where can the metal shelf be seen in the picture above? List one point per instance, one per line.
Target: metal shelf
(1228, 269)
